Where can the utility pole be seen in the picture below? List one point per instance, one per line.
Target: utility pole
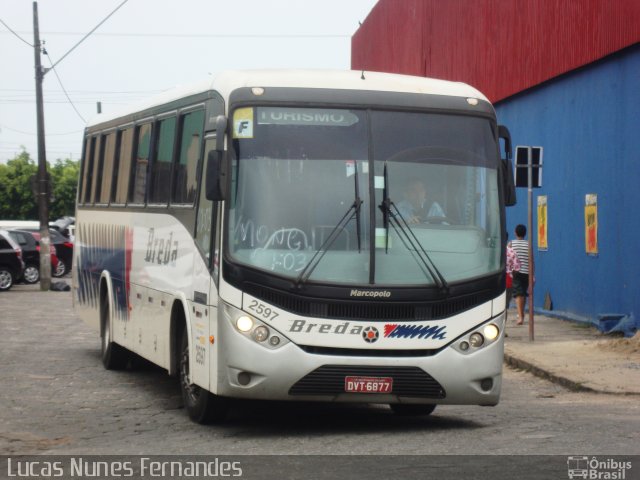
(530, 231)
(529, 158)
(42, 183)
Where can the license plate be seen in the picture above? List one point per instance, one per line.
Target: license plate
(368, 384)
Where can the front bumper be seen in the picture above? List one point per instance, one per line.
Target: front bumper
(473, 378)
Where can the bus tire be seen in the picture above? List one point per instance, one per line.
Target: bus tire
(114, 356)
(202, 406)
(412, 409)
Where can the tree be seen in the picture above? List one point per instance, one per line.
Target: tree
(64, 179)
(17, 200)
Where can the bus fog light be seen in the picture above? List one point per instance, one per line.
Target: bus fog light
(476, 340)
(274, 341)
(260, 334)
(244, 378)
(244, 323)
(491, 332)
(486, 384)
(464, 346)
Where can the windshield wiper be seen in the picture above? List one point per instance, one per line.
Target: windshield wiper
(358, 202)
(353, 211)
(406, 235)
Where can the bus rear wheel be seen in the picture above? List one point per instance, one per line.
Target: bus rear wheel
(201, 405)
(412, 409)
(114, 357)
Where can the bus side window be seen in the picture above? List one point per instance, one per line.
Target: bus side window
(160, 176)
(88, 170)
(185, 178)
(138, 181)
(121, 187)
(97, 170)
(109, 147)
(205, 226)
(83, 166)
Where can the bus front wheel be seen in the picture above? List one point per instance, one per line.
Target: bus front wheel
(412, 409)
(201, 405)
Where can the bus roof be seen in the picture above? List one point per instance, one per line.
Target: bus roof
(225, 82)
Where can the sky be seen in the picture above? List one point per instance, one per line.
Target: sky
(146, 47)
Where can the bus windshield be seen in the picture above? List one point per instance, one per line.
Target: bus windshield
(298, 171)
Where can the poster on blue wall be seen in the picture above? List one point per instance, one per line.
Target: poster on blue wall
(591, 223)
(543, 244)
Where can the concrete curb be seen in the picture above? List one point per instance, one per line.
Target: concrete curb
(572, 385)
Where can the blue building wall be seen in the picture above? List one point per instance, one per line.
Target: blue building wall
(588, 122)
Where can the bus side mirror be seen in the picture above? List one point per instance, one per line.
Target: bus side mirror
(216, 184)
(217, 165)
(507, 168)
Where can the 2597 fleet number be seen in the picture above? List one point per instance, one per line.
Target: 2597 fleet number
(262, 310)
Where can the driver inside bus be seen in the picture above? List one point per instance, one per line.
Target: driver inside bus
(413, 207)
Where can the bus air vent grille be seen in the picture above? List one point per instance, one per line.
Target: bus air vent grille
(366, 310)
(360, 352)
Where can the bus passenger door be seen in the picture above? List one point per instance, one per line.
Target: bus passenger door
(205, 299)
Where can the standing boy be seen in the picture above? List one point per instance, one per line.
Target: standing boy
(521, 277)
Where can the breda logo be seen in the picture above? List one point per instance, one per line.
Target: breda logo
(370, 334)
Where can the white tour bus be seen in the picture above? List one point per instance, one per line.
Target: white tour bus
(301, 235)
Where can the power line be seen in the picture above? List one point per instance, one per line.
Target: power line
(81, 102)
(62, 86)
(87, 35)
(9, 28)
(33, 133)
(207, 35)
(81, 91)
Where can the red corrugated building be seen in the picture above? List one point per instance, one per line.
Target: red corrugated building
(500, 47)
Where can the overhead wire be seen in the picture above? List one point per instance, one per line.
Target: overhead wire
(53, 64)
(12, 31)
(35, 134)
(207, 35)
(88, 34)
(62, 86)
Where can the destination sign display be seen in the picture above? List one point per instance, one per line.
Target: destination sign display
(305, 116)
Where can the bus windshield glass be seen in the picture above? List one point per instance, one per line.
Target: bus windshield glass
(297, 172)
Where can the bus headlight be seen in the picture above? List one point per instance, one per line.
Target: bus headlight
(260, 334)
(491, 332)
(244, 323)
(253, 329)
(476, 340)
(480, 337)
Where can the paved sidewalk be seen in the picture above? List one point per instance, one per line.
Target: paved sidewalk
(575, 355)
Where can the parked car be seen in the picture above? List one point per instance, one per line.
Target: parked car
(64, 225)
(30, 244)
(11, 264)
(64, 250)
